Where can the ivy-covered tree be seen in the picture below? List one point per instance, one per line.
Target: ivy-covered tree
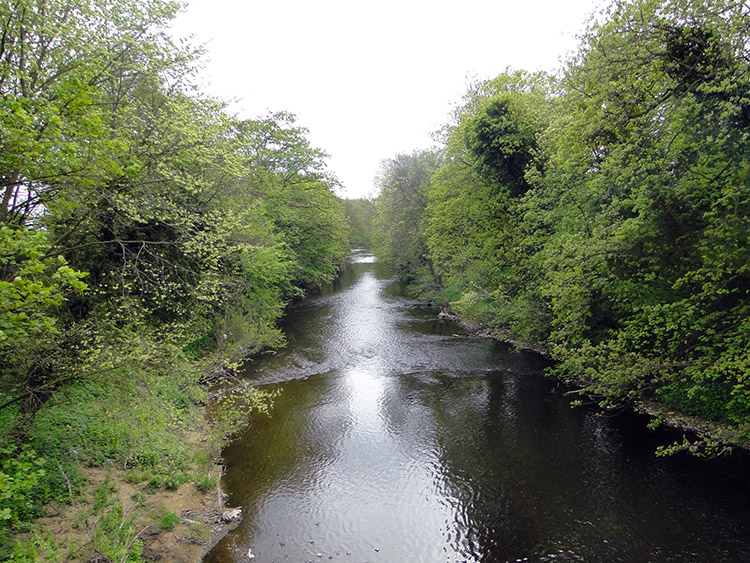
(475, 197)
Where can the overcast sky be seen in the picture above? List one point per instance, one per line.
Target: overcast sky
(371, 79)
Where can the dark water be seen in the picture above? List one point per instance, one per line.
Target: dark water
(397, 439)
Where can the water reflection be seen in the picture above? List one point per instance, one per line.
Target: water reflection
(396, 441)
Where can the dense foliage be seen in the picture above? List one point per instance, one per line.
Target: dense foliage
(603, 216)
(359, 215)
(145, 234)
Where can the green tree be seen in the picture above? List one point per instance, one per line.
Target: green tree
(359, 215)
(51, 81)
(473, 227)
(32, 288)
(399, 214)
(604, 217)
(290, 177)
(649, 148)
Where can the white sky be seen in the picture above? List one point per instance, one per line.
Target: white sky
(371, 79)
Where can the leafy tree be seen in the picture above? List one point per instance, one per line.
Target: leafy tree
(604, 217)
(290, 177)
(189, 235)
(50, 82)
(359, 215)
(473, 228)
(400, 212)
(647, 158)
(32, 288)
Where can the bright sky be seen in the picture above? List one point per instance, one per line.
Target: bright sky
(371, 79)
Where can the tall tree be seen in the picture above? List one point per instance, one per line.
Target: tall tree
(645, 276)
(473, 228)
(400, 212)
(291, 178)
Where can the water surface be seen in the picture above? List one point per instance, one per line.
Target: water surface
(397, 438)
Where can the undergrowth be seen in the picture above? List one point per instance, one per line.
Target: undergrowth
(138, 419)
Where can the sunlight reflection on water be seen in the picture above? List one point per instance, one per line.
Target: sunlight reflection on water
(395, 441)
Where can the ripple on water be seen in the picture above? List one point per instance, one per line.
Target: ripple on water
(395, 441)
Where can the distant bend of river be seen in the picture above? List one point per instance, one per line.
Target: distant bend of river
(398, 439)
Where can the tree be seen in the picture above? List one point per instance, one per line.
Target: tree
(290, 177)
(474, 201)
(359, 214)
(400, 212)
(32, 288)
(604, 217)
(648, 290)
(52, 77)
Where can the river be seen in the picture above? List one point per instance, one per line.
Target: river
(397, 438)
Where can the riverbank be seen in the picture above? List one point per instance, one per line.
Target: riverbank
(137, 479)
(180, 525)
(707, 438)
(116, 517)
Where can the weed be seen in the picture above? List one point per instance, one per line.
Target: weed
(168, 521)
(102, 494)
(39, 546)
(135, 476)
(21, 484)
(206, 482)
(115, 537)
(169, 482)
(139, 498)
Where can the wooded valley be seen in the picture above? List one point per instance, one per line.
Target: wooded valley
(150, 240)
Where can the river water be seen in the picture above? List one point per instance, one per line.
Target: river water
(396, 438)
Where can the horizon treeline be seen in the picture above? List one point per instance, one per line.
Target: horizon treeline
(602, 215)
(145, 235)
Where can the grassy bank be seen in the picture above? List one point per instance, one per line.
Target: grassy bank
(105, 458)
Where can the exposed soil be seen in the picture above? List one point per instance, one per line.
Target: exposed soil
(200, 526)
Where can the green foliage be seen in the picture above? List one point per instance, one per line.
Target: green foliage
(41, 546)
(168, 521)
(115, 537)
(399, 212)
(475, 238)
(359, 216)
(604, 217)
(191, 229)
(131, 418)
(657, 298)
(206, 482)
(234, 409)
(32, 288)
(296, 190)
(22, 491)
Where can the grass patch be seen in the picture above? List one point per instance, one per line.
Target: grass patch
(168, 521)
(144, 416)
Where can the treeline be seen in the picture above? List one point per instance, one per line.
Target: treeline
(603, 215)
(145, 234)
(359, 215)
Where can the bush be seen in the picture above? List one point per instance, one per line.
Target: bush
(21, 485)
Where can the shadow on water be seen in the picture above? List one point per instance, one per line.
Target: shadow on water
(398, 439)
